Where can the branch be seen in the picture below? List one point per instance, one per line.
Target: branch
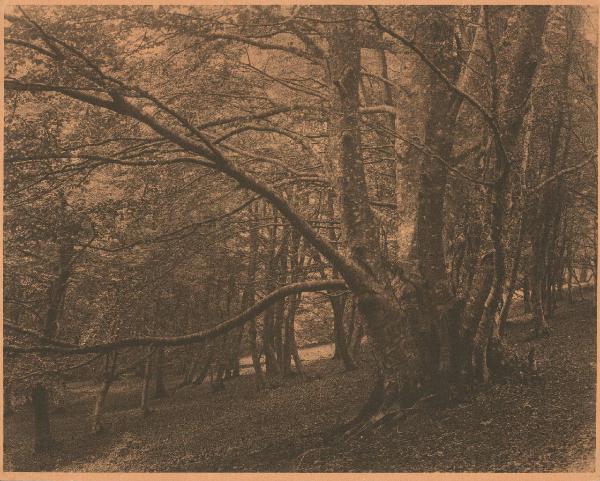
(243, 118)
(56, 371)
(262, 45)
(346, 267)
(180, 233)
(560, 173)
(489, 118)
(207, 334)
(411, 45)
(37, 335)
(379, 109)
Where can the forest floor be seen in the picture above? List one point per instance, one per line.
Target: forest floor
(509, 427)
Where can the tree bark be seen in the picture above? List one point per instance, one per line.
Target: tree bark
(249, 294)
(160, 389)
(338, 304)
(146, 385)
(386, 322)
(43, 440)
(110, 365)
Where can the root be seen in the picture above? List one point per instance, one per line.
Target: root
(376, 414)
(305, 453)
(387, 417)
(373, 404)
(507, 364)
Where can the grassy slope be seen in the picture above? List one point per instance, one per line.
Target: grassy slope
(507, 427)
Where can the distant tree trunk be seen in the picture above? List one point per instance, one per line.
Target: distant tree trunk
(110, 365)
(233, 367)
(258, 375)
(217, 380)
(249, 295)
(160, 389)
(526, 294)
(188, 377)
(201, 376)
(540, 324)
(569, 283)
(146, 385)
(271, 364)
(297, 359)
(280, 307)
(230, 340)
(502, 316)
(41, 412)
(290, 349)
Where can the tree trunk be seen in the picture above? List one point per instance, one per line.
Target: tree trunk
(338, 304)
(386, 321)
(41, 417)
(160, 389)
(234, 358)
(199, 379)
(540, 324)
(357, 333)
(526, 295)
(191, 370)
(291, 349)
(249, 295)
(110, 365)
(271, 364)
(56, 297)
(146, 385)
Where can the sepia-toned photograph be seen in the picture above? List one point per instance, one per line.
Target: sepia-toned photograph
(300, 238)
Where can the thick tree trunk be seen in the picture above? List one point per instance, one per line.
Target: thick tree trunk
(41, 418)
(515, 68)
(8, 405)
(386, 321)
(338, 304)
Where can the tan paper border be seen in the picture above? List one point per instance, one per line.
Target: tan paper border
(58, 476)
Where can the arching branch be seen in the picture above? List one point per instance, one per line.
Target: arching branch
(207, 334)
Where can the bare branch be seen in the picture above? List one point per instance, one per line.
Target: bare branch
(211, 333)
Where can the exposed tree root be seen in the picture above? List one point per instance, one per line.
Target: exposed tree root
(386, 417)
(378, 412)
